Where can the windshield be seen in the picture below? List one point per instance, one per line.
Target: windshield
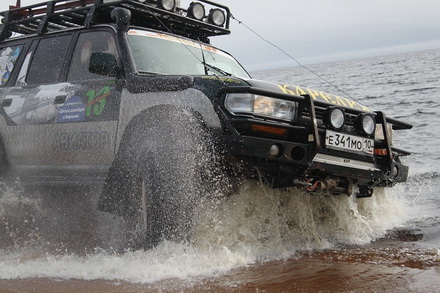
(164, 54)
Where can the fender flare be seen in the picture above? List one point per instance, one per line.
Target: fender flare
(191, 99)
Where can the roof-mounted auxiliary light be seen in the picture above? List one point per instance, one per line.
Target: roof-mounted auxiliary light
(169, 5)
(217, 17)
(196, 10)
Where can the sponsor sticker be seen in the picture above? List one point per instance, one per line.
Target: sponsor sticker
(87, 140)
(73, 110)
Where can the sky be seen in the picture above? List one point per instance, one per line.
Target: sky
(316, 31)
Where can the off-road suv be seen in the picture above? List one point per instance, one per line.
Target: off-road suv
(129, 96)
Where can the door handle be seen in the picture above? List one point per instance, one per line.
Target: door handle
(6, 102)
(60, 99)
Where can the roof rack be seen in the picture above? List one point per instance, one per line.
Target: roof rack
(59, 15)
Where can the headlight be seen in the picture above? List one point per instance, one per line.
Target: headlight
(261, 106)
(334, 117)
(366, 124)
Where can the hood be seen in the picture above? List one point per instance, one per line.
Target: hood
(319, 97)
(211, 84)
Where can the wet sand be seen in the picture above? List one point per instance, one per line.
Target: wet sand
(398, 263)
(304, 275)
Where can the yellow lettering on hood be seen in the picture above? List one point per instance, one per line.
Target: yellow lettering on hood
(324, 97)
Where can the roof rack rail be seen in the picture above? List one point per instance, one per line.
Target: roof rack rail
(59, 15)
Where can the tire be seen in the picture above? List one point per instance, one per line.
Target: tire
(159, 166)
(4, 169)
(3, 162)
(165, 208)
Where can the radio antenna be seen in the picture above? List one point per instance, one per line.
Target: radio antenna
(291, 57)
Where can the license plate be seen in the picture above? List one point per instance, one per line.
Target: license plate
(349, 143)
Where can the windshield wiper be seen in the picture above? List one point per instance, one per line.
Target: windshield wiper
(219, 70)
(150, 72)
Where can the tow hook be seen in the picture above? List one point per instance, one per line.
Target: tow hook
(333, 184)
(327, 184)
(313, 184)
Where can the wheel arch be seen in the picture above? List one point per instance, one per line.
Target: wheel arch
(132, 105)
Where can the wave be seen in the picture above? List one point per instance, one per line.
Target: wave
(416, 90)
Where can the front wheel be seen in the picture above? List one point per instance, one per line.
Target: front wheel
(166, 201)
(161, 163)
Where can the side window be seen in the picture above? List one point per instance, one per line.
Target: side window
(88, 43)
(8, 57)
(48, 60)
(21, 79)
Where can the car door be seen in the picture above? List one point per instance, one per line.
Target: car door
(27, 103)
(84, 124)
(62, 118)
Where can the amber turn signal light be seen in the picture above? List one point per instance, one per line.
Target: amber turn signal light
(269, 129)
(380, 152)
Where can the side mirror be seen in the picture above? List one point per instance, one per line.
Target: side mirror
(103, 64)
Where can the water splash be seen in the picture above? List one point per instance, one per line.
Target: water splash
(274, 223)
(18, 214)
(255, 224)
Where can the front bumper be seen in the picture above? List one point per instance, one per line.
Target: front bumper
(307, 159)
(300, 161)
